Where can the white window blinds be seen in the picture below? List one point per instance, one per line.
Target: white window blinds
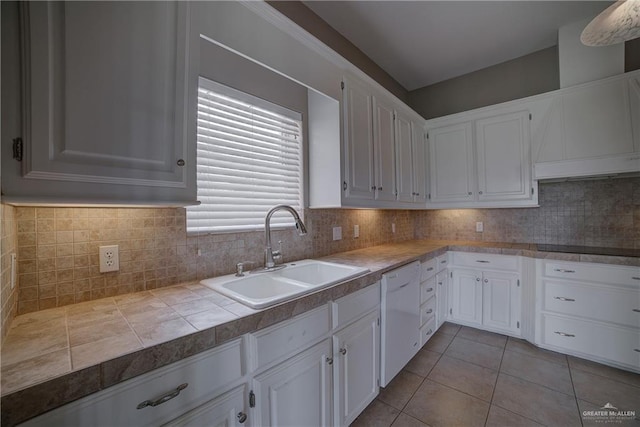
(249, 160)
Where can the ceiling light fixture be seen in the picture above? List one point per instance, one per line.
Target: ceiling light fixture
(617, 23)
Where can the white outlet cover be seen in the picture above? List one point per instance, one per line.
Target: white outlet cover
(356, 231)
(393, 227)
(109, 258)
(337, 233)
(479, 227)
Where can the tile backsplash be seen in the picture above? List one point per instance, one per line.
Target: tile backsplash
(9, 302)
(58, 247)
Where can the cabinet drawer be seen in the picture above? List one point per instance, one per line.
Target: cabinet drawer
(619, 275)
(402, 275)
(442, 262)
(351, 307)
(428, 269)
(604, 303)
(427, 289)
(427, 331)
(485, 261)
(427, 310)
(205, 374)
(617, 344)
(287, 338)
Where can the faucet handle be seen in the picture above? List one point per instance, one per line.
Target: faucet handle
(240, 268)
(277, 255)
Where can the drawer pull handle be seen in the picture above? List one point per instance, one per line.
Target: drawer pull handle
(477, 279)
(329, 360)
(564, 299)
(165, 398)
(242, 417)
(430, 269)
(343, 351)
(635, 278)
(564, 270)
(444, 261)
(483, 261)
(636, 310)
(429, 289)
(430, 311)
(430, 331)
(563, 334)
(637, 350)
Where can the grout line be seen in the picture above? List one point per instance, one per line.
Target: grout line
(573, 386)
(535, 355)
(539, 385)
(495, 384)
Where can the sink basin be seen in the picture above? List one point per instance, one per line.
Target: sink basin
(260, 290)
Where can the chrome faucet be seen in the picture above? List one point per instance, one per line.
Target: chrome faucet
(269, 263)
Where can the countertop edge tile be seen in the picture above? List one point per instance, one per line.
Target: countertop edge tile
(36, 399)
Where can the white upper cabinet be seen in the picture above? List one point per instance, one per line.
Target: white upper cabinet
(451, 163)
(591, 129)
(358, 135)
(404, 167)
(384, 151)
(105, 107)
(504, 161)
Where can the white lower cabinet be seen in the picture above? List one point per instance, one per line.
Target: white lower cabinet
(589, 310)
(488, 298)
(442, 297)
(296, 392)
(223, 411)
(356, 367)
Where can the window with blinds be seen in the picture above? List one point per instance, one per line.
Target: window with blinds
(249, 160)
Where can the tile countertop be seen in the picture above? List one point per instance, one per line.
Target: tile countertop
(55, 356)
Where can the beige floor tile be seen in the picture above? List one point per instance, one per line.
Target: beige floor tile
(95, 352)
(475, 352)
(398, 392)
(539, 371)
(600, 390)
(377, 414)
(465, 377)
(484, 337)
(154, 333)
(536, 402)
(522, 346)
(423, 362)
(600, 420)
(35, 370)
(499, 417)
(438, 342)
(437, 405)
(449, 328)
(210, 318)
(405, 420)
(606, 371)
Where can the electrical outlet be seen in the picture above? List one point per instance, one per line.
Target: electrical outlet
(393, 227)
(337, 233)
(479, 227)
(109, 258)
(356, 231)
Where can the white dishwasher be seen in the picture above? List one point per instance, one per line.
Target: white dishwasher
(400, 308)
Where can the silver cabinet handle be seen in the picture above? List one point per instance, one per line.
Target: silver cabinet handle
(242, 417)
(637, 349)
(483, 261)
(430, 311)
(564, 270)
(564, 299)
(486, 280)
(343, 351)
(380, 188)
(635, 278)
(477, 279)
(430, 269)
(469, 193)
(444, 261)
(563, 334)
(429, 289)
(164, 398)
(636, 310)
(430, 331)
(329, 360)
(440, 283)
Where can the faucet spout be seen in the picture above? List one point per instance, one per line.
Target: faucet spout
(268, 252)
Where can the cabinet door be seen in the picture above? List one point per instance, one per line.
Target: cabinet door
(296, 392)
(404, 164)
(451, 163)
(384, 151)
(466, 296)
(442, 297)
(106, 108)
(224, 411)
(501, 301)
(358, 126)
(420, 162)
(356, 368)
(504, 157)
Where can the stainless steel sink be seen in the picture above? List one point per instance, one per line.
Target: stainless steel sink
(269, 288)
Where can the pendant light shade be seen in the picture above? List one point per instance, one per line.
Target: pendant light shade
(617, 23)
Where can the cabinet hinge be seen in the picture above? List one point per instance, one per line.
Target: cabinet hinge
(532, 191)
(518, 324)
(518, 282)
(529, 116)
(378, 319)
(344, 185)
(451, 311)
(427, 135)
(451, 274)
(252, 399)
(342, 85)
(429, 196)
(18, 149)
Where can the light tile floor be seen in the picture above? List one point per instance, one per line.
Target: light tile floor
(468, 377)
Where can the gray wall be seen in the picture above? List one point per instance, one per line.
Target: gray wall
(521, 77)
